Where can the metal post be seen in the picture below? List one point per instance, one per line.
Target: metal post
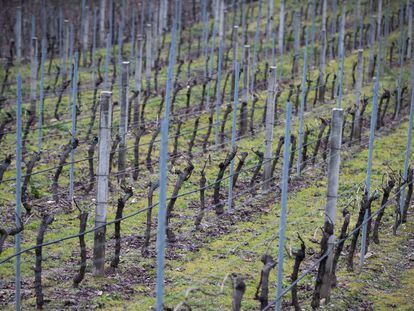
(341, 56)
(73, 113)
(19, 147)
(82, 29)
(94, 34)
(65, 35)
(18, 35)
(358, 87)
(312, 54)
(33, 76)
(138, 80)
(371, 39)
(41, 95)
(123, 121)
(132, 52)
(322, 64)
(401, 60)
(302, 106)
(105, 124)
(111, 21)
(102, 5)
(121, 32)
(148, 43)
(370, 150)
(270, 122)
(281, 37)
(85, 36)
(283, 210)
(219, 73)
(107, 56)
(234, 116)
(161, 228)
(408, 146)
(255, 45)
(71, 43)
(410, 30)
(333, 28)
(210, 66)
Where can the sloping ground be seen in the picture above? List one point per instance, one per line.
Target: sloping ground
(385, 282)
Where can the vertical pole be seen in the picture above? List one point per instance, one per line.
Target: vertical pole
(82, 31)
(105, 124)
(401, 60)
(219, 73)
(33, 77)
(246, 88)
(270, 122)
(41, 95)
(281, 37)
(333, 178)
(85, 36)
(71, 43)
(361, 26)
(138, 81)
(333, 28)
(94, 26)
(210, 65)
(206, 35)
(102, 5)
(408, 146)
(234, 115)
(358, 87)
(269, 25)
(312, 54)
(296, 40)
(410, 30)
(283, 210)
(121, 33)
(65, 35)
(111, 21)
(148, 44)
(357, 11)
(255, 45)
(322, 64)
(324, 277)
(19, 145)
(73, 114)
(18, 35)
(370, 150)
(107, 56)
(341, 56)
(133, 19)
(123, 121)
(371, 39)
(302, 106)
(254, 66)
(161, 228)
